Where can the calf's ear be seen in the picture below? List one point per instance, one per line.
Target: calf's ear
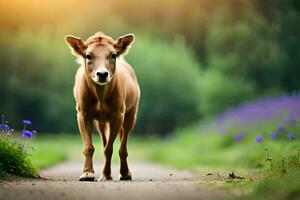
(77, 45)
(123, 44)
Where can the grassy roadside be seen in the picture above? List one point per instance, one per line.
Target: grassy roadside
(207, 155)
(188, 150)
(261, 168)
(264, 169)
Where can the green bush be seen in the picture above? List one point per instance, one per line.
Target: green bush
(37, 79)
(218, 92)
(247, 50)
(14, 158)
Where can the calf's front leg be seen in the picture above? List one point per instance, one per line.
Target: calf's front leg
(85, 128)
(115, 127)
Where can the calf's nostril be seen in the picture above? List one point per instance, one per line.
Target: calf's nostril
(102, 74)
(105, 74)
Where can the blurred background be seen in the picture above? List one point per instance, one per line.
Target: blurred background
(193, 58)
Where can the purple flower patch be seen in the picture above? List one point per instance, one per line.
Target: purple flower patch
(263, 109)
(259, 138)
(26, 122)
(238, 137)
(27, 134)
(291, 136)
(274, 135)
(281, 128)
(6, 127)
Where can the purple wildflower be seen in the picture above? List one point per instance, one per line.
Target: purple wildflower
(274, 135)
(280, 128)
(259, 138)
(291, 136)
(27, 134)
(26, 122)
(2, 122)
(238, 137)
(6, 127)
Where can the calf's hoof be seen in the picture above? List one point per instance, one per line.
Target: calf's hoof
(126, 177)
(87, 176)
(105, 178)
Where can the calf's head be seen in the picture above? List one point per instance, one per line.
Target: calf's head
(99, 54)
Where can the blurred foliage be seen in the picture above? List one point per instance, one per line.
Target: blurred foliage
(219, 91)
(36, 80)
(193, 58)
(168, 75)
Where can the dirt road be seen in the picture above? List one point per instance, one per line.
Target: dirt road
(150, 181)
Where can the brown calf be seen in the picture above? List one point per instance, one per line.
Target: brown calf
(106, 93)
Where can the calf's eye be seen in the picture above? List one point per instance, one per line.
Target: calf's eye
(113, 56)
(88, 56)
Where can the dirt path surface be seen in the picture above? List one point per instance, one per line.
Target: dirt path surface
(150, 181)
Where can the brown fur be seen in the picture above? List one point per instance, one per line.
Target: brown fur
(111, 107)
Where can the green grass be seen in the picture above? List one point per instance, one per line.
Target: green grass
(15, 158)
(286, 186)
(51, 149)
(188, 150)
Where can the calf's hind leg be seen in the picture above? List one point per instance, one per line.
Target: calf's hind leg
(103, 130)
(128, 125)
